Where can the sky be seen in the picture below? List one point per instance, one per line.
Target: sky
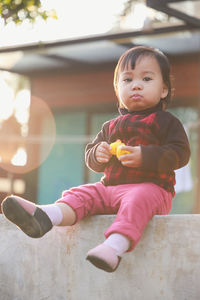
(75, 18)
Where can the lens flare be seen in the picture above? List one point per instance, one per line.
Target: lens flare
(21, 153)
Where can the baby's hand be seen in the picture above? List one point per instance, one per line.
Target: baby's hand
(116, 148)
(103, 154)
(133, 159)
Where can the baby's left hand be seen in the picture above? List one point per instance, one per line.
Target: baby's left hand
(133, 159)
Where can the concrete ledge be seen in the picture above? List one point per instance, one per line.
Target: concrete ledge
(164, 266)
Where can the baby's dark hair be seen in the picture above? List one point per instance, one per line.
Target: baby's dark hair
(130, 57)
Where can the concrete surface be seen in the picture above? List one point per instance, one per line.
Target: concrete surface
(164, 266)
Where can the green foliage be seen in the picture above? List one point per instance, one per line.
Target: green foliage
(20, 10)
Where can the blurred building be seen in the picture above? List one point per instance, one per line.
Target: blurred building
(74, 78)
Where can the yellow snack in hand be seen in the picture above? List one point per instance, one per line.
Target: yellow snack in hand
(121, 152)
(116, 148)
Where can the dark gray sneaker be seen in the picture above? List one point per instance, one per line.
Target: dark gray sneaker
(32, 220)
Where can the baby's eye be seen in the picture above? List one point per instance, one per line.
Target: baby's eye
(127, 79)
(147, 78)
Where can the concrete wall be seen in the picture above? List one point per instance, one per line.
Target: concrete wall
(164, 266)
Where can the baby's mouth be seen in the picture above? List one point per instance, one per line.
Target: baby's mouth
(136, 97)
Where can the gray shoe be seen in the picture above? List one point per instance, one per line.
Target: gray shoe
(34, 225)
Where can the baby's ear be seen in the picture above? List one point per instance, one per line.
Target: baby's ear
(165, 92)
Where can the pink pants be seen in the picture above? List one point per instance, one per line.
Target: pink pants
(133, 204)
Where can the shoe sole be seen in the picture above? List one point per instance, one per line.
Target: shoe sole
(101, 264)
(15, 213)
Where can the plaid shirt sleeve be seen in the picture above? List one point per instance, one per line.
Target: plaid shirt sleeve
(174, 150)
(90, 150)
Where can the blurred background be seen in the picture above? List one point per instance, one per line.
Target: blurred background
(57, 59)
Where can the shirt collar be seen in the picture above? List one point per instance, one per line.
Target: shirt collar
(158, 107)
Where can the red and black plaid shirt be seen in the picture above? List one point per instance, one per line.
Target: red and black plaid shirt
(163, 141)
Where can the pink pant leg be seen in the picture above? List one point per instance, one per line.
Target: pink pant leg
(138, 205)
(87, 200)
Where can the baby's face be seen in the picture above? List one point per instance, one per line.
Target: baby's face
(142, 87)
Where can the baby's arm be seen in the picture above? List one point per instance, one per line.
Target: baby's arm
(174, 151)
(94, 153)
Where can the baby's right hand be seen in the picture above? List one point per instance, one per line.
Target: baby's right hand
(102, 153)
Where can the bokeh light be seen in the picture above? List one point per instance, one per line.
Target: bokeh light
(6, 101)
(27, 133)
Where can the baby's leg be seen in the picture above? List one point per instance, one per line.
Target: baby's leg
(30, 218)
(68, 214)
(137, 207)
(36, 220)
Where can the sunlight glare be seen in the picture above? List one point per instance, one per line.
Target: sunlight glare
(22, 106)
(137, 17)
(20, 158)
(6, 101)
(75, 19)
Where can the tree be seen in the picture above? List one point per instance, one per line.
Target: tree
(19, 10)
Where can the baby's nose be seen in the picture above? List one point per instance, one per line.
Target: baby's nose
(136, 85)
